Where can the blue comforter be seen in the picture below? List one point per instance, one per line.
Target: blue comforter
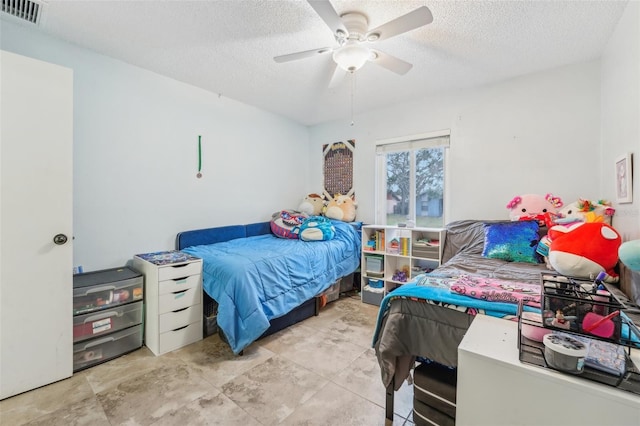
(257, 279)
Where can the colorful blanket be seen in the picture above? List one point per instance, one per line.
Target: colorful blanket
(430, 288)
(494, 290)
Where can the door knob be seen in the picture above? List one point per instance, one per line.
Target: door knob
(60, 239)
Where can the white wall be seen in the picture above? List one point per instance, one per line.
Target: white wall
(621, 126)
(621, 115)
(538, 133)
(135, 155)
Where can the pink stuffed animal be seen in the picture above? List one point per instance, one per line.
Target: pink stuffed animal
(533, 206)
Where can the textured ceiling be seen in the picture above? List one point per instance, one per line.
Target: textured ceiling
(227, 47)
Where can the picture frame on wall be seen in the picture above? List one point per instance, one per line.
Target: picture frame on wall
(624, 191)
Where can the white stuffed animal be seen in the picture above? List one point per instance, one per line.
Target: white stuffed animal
(586, 211)
(313, 204)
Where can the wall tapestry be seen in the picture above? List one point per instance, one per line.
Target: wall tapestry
(338, 168)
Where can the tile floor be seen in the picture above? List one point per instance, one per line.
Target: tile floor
(321, 371)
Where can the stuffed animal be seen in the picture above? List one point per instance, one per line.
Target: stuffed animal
(533, 207)
(313, 204)
(286, 223)
(585, 210)
(341, 207)
(317, 228)
(629, 253)
(584, 249)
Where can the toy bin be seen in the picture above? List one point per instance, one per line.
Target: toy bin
(375, 283)
(576, 305)
(374, 265)
(333, 292)
(347, 283)
(372, 296)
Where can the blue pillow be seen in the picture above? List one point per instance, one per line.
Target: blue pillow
(512, 241)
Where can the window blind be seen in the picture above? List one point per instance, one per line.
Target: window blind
(411, 143)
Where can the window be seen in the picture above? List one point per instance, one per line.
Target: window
(410, 180)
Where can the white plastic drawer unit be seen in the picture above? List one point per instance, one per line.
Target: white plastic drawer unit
(95, 291)
(98, 323)
(173, 299)
(104, 348)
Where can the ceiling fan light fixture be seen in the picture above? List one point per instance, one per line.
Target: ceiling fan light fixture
(352, 56)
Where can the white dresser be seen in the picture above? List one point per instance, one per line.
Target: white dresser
(495, 388)
(173, 299)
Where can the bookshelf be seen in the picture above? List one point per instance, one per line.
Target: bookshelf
(392, 256)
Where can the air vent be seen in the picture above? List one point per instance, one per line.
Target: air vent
(25, 10)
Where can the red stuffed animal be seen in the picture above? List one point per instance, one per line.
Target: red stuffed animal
(583, 250)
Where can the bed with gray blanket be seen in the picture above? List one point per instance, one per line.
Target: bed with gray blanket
(409, 327)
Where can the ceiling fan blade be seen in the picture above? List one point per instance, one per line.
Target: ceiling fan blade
(302, 55)
(412, 20)
(391, 63)
(329, 16)
(337, 77)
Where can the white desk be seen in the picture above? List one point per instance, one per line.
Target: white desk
(495, 388)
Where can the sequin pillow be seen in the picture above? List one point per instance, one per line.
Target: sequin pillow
(512, 241)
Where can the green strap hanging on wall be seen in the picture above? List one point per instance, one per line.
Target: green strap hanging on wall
(199, 175)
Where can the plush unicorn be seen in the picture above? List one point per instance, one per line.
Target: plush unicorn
(585, 210)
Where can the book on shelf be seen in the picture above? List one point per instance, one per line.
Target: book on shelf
(404, 246)
(380, 240)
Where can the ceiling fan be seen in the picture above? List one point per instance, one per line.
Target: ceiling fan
(353, 36)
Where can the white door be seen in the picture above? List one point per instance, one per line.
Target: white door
(36, 282)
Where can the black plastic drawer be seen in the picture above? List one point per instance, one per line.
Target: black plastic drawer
(104, 348)
(94, 324)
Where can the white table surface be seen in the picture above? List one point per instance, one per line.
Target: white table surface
(494, 387)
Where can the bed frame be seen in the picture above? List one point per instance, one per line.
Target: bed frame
(221, 234)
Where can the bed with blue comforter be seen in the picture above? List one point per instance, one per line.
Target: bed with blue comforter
(258, 278)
